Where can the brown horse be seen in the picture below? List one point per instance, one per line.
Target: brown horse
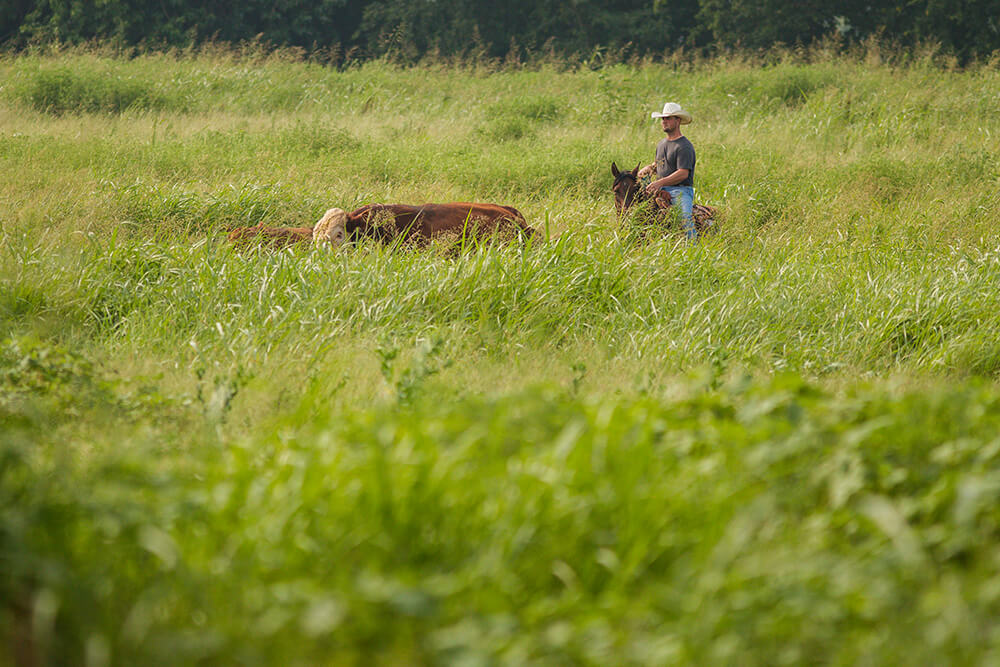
(629, 192)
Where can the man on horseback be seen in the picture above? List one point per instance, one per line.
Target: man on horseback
(674, 165)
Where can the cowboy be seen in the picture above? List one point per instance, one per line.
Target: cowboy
(674, 165)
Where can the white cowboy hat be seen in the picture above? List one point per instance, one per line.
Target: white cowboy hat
(673, 109)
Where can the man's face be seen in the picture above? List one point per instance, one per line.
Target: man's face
(670, 123)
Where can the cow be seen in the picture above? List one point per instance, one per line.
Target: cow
(276, 237)
(461, 222)
(323, 232)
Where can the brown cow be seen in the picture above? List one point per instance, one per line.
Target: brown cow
(459, 221)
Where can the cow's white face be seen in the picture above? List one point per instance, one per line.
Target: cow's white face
(331, 228)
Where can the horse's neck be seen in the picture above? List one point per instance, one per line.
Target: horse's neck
(640, 193)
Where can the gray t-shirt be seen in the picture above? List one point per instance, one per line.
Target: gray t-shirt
(674, 155)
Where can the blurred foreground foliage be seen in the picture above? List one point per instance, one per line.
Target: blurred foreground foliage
(725, 519)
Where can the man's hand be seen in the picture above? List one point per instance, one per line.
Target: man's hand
(673, 179)
(647, 170)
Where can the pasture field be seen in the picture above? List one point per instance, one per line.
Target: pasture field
(780, 445)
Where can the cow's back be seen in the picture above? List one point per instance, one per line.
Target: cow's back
(478, 218)
(428, 221)
(383, 222)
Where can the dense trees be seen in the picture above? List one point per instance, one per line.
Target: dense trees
(182, 22)
(413, 28)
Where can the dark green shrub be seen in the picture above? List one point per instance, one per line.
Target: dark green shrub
(530, 108)
(70, 90)
(781, 85)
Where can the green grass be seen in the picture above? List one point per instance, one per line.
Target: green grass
(776, 446)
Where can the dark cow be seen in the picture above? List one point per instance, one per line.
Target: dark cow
(461, 222)
(323, 232)
(276, 237)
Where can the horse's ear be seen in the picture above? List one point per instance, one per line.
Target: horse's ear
(635, 172)
(614, 170)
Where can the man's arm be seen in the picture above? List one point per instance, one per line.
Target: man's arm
(670, 179)
(647, 170)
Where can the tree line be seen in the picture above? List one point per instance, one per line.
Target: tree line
(415, 29)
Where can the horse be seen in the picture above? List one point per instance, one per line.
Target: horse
(629, 191)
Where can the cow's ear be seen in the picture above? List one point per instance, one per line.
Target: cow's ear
(635, 172)
(614, 169)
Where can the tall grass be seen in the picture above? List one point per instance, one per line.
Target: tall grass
(770, 306)
(773, 445)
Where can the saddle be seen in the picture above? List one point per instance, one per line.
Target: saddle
(662, 200)
(704, 216)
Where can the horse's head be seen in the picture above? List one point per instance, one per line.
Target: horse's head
(626, 187)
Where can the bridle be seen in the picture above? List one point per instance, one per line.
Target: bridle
(632, 191)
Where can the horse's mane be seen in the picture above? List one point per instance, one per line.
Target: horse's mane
(623, 176)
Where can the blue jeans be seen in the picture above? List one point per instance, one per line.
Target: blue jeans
(683, 195)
